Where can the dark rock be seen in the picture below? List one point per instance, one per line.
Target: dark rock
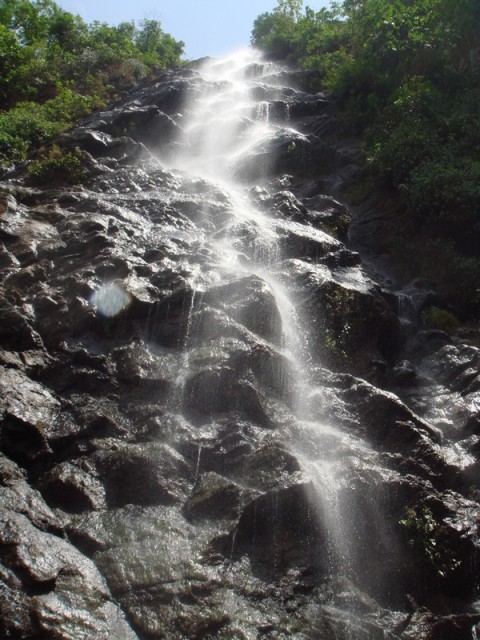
(309, 106)
(287, 152)
(302, 241)
(72, 489)
(279, 530)
(18, 496)
(147, 558)
(145, 475)
(267, 466)
(352, 320)
(101, 145)
(220, 390)
(147, 125)
(379, 411)
(424, 625)
(28, 411)
(168, 96)
(16, 329)
(63, 592)
(331, 215)
(251, 302)
(402, 374)
(213, 497)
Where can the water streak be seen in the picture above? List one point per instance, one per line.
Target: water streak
(222, 125)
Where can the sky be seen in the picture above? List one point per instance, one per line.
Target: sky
(208, 27)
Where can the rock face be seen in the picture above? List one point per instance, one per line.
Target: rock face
(215, 421)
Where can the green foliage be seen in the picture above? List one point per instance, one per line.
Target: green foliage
(54, 68)
(25, 124)
(456, 275)
(424, 536)
(59, 166)
(274, 32)
(440, 319)
(290, 8)
(29, 124)
(448, 189)
(406, 76)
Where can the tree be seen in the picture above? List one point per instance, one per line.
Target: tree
(54, 68)
(290, 8)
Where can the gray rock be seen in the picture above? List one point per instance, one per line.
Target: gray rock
(213, 497)
(67, 595)
(144, 475)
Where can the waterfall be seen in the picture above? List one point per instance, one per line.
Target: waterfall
(220, 129)
(213, 414)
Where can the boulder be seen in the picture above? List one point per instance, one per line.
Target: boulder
(279, 530)
(287, 152)
(353, 322)
(212, 498)
(151, 474)
(51, 589)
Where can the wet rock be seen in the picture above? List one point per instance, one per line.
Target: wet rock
(16, 329)
(101, 145)
(11, 359)
(18, 496)
(352, 320)
(28, 411)
(329, 214)
(300, 240)
(15, 610)
(150, 560)
(141, 366)
(269, 465)
(390, 426)
(457, 367)
(147, 125)
(145, 475)
(70, 488)
(424, 625)
(213, 497)
(168, 96)
(220, 390)
(287, 152)
(310, 105)
(225, 483)
(166, 321)
(251, 302)
(67, 596)
(402, 374)
(279, 530)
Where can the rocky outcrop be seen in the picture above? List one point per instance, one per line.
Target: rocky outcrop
(214, 423)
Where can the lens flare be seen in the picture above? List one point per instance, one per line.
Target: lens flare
(110, 299)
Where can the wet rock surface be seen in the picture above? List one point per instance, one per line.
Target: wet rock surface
(214, 423)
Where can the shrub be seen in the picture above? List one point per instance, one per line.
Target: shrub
(24, 125)
(30, 124)
(440, 319)
(424, 533)
(54, 68)
(447, 189)
(456, 275)
(58, 165)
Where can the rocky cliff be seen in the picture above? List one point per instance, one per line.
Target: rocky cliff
(217, 421)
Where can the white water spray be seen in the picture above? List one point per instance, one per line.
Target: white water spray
(221, 126)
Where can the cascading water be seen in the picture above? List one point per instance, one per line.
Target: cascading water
(220, 129)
